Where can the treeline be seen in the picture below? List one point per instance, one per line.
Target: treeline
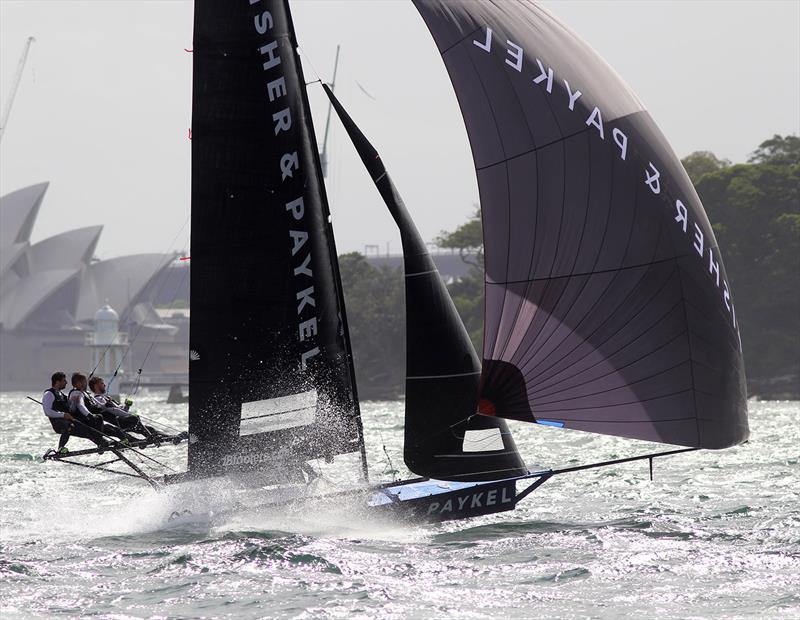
(375, 302)
(754, 208)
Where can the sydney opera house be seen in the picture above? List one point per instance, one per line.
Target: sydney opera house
(55, 298)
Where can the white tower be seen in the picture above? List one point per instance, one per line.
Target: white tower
(107, 342)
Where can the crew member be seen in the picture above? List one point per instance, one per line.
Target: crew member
(56, 407)
(86, 410)
(116, 414)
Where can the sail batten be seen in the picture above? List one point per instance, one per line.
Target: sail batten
(608, 308)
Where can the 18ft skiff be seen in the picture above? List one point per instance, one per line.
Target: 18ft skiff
(608, 308)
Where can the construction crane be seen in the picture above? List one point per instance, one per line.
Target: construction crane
(14, 86)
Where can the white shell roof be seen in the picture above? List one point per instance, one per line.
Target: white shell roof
(9, 254)
(71, 249)
(30, 293)
(117, 281)
(40, 270)
(18, 211)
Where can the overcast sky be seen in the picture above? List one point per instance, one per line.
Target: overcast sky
(104, 105)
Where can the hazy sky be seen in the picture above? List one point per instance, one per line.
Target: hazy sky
(104, 105)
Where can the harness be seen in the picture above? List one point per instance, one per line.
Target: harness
(61, 402)
(88, 402)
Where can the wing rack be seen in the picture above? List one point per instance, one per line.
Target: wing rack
(117, 450)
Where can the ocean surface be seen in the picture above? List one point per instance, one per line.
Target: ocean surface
(715, 535)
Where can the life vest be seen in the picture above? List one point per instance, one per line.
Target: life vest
(60, 402)
(92, 404)
(89, 402)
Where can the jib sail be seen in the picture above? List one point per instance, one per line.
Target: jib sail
(444, 438)
(608, 308)
(271, 377)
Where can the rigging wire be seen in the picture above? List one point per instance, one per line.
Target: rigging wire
(156, 423)
(152, 344)
(157, 462)
(158, 290)
(392, 470)
(141, 325)
(101, 467)
(116, 445)
(310, 65)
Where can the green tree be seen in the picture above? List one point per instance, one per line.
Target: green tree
(376, 316)
(778, 150)
(755, 212)
(700, 163)
(467, 239)
(467, 292)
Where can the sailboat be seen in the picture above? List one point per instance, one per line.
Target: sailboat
(608, 309)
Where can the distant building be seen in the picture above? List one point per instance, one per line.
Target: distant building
(50, 295)
(108, 343)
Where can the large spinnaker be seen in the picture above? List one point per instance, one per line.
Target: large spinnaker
(608, 308)
(270, 375)
(444, 438)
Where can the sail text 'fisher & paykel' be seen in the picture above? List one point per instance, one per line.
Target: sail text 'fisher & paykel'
(289, 163)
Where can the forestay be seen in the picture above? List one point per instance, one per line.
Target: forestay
(608, 308)
(270, 363)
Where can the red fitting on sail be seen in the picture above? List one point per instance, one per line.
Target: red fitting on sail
(184, 258)
(486, 407)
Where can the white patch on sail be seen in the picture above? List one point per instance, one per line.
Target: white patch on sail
(483, 440)
(273, 414)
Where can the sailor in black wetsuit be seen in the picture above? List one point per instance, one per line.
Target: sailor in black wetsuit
(89, 413)
(56, 407)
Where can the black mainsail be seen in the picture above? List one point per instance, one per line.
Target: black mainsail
(271, 374)
(608, 308)
(443, 437)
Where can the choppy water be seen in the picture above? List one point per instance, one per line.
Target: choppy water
(716, 535)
